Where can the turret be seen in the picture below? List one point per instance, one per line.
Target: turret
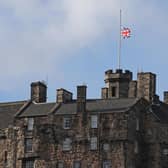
(117, 84)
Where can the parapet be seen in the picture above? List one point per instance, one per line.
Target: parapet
(118, 75)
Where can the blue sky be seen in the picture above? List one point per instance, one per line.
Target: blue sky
(71, 42)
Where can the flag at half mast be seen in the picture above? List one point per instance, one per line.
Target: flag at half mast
(125, 32)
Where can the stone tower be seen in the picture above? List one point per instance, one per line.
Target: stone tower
(117, 84)
(38, 92)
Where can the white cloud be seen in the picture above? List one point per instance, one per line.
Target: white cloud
(40, 33)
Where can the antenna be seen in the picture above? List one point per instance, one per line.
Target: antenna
(45, 81)
(119, 52)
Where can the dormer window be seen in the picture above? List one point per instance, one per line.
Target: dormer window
(30, 124)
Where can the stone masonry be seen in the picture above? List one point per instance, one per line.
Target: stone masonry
(126, 128)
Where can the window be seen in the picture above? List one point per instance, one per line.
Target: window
(28, 164)
(76, 164)
(136, 148)
(94, 121)
(165, 151)
(6, 157)
(30, 124)
(67, 144)
(106, 164)
(28, 144)
(113, 90)
(149, 131)
(67, 122)
(60, 164)
(93, 143)
(137, 124)
(106, 147)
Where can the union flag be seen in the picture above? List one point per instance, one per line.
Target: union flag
(125, 32)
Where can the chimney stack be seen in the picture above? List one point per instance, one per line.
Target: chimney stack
(104, 93)
(146, 86)
(38, 92)
(81, 98)
(63, 96)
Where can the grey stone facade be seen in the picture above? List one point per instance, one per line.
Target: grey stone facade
(126, 128)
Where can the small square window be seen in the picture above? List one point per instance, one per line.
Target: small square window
(67, 144)
(93, 143)
(30, 124)
(28, 144)
(106, 164)
(94, 119)
(28, 164)
(76, 164)
(67, 122)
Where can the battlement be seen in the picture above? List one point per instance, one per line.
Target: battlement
(118, 75)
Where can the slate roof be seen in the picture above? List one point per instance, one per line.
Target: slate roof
(99, 105)
(7, 112)
(31, 109)
(37, 109)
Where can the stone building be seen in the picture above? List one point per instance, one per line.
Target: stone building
(126, 128)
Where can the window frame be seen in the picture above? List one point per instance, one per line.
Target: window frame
(67, 122)
(93, 143)
(28, 163)
(113, 91)
(137, 124)
(94, 121)
(28, 145)
(78, 164)
(165, 152)
(106, 164)
(67, 144)
(60, 163)
(106, 147)
(136, 147)
(6, 157)
(30, 124)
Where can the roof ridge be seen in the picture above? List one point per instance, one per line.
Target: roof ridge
(12, 103)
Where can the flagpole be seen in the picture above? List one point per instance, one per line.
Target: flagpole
(119, 52)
